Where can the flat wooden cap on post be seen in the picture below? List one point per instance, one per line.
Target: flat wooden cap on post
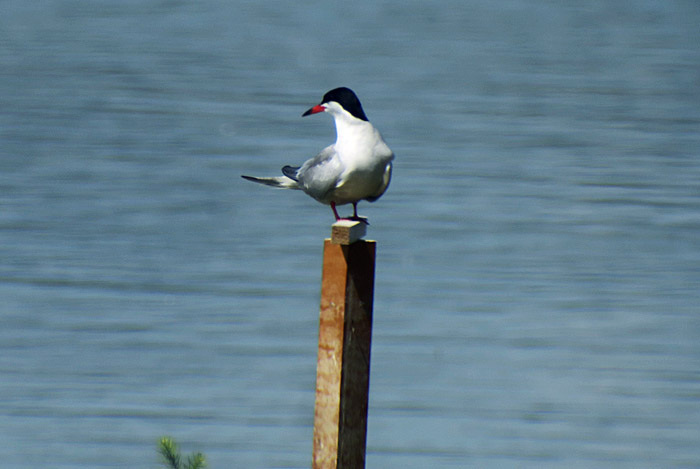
(344, 344)
(346, 232)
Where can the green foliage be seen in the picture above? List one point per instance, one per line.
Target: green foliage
(170, 454)
(196, 461)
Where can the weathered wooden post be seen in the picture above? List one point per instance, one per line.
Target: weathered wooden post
(344, 342)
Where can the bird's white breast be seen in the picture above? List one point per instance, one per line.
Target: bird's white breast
(365, 159)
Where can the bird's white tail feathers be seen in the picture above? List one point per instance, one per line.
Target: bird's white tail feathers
(282, 182)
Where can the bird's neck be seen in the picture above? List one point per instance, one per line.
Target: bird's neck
(350, 132)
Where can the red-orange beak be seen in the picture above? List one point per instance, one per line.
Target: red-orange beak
(314, 110)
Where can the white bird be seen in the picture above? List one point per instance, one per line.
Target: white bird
(356, 167)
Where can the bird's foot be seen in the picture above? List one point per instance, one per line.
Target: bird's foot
(356, 218)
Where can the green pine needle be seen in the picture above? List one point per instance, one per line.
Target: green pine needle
(170, 453)
(196, 461)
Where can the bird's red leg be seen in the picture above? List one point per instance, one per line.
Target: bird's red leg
(354, 217)
(335, 212)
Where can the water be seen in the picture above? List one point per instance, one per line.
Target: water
(538, 260)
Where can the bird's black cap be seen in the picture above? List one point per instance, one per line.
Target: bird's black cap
(348, 99)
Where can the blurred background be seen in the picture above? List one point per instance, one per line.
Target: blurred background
(538, 268)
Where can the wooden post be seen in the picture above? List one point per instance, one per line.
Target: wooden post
(344, 342)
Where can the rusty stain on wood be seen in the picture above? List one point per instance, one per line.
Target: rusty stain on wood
(345, 333)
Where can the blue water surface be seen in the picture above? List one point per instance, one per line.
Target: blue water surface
(538, 269)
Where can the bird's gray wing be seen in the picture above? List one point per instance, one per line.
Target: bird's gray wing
(319, 175)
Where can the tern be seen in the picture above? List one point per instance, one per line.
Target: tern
(356, 167)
